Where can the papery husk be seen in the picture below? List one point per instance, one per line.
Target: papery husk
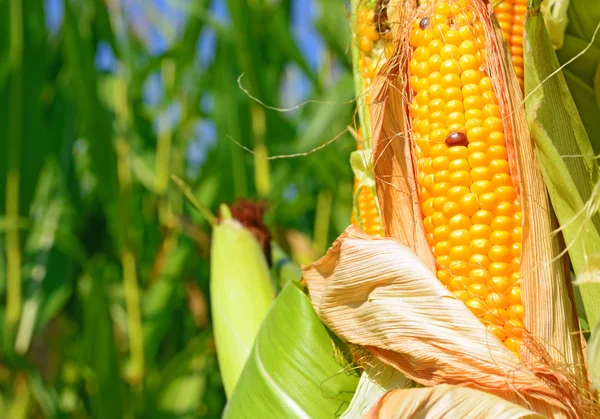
(377, 293)
(550, 317)
(367, 293)
(446, 401)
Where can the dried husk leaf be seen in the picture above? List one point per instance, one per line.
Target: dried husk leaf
(544, 274)
(377, 293)
(446, 401)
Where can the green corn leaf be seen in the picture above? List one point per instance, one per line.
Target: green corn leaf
(559, 133)
(292, 371)
(241, 294)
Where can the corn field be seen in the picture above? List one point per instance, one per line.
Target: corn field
(299, 209)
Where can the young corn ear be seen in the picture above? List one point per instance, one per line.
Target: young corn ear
(241, 294)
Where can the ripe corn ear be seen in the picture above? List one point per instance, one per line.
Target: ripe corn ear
(371, 37)
(511, 17)
(469, 201)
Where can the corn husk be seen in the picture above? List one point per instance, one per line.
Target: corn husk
(383, 294)
(241, 293)
(446, 401)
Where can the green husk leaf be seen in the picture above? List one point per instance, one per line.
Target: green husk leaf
(555, 17)
(558, 133)
(593, 354)
(293, 371)
(374, 383)
(241, 294)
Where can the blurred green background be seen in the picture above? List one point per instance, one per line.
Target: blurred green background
(104, 276)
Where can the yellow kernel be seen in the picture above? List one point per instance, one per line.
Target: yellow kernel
(499, 268)
(479, 290)
(515, 311)
(459, 222)
(450, 52)
(441, 176)
(461, 294)
(502, 223)
(428, 207)
(506, 193)
(450, 66)
(460, 165)
(480, 231)
(435, 46)
(499, 254)
(481, 173)
(513, 344)
(457, 152)
(481, 261)
(422, 98)
(514, 296)
(444, 276)
(437, 219)
(497, 152)
(457, 192)
(473, 102)
(459, 283)
(468, 203)
(472, 114)
(478, 159)
(477, 134)
(488, 201)
(501, 179)
(469, 90)
(451, 208)
(460, 237)
(420, 54)
(479, 276)
(440, 189)
(439, 150)
(439, 163)
(455, 118)
(452, 93)
(435, 91)
(468, 62)
(478, 146)
(500, 238)
(504, 208)
(498, 332)
(443, 260)
(435, 77)
(434, 62)
(499, 166)
(481, 187)
(453, 106)
(438, 135)
(496, 300)
(467, 47)
(517, 234)
(480, 246)
(476, 307)
(438, 203)
(470, 76)
(500, 284)
(516, 250)
(441, 233)
(443, 248)
(482, 217)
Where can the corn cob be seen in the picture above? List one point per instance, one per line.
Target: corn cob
(511, 17)
(469, 201)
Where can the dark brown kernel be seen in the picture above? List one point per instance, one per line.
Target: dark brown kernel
(456, 138)
(424, 22)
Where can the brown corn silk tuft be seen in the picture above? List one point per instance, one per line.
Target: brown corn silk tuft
(382, 322)
(511, 18)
